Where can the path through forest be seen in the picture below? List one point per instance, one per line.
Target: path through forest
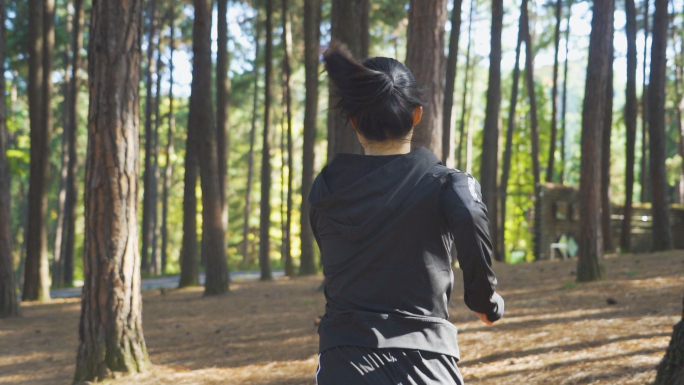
(554, 331)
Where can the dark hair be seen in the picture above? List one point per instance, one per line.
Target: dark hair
(380, 93)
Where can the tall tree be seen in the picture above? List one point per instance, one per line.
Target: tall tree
(662, 232)
(679, 107)
(189, 275)
(554, 95)
(466, 79)
(57, 261)
(168, 165)
(149, 182)
(155, 257)
(41, 47)
(223, 105)
(425, 58)
(265, 215)
(312, 10)
(605, 150)
(643, 175)
(349, 24)
(532, 96)
(250, 155)
(490, 135)
(522, 28)
(565, 98)
(589, 263)
(630, 114)
(287, 43)
(201, 120)
(69, 233)
(9, 306)
(451, 62)
(110, 331)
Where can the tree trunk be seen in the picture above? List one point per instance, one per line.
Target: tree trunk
(9, 307)
(490, 135)
(643, 175)
(554, 96)
(250, 156)
(349, 25)
(511, 127)
(531, 94)
(459, 151)
(265, 215)
(71, 183)
(671, 368)
(425, 58)
(565, 98)
(679, 106)
(312, 10)
(168, 166)
(148, 178)
(287, 43)
(155, 258)
(37, 280)
(606, 230)
(662, 232)
(110, 331)
(223, 105)
(451, 62)
(201, 120)
(590, 261)
(630, 114)
(57, 261)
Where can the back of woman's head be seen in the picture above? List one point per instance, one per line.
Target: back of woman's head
(380, 94)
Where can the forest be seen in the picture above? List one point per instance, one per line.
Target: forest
(155, 139)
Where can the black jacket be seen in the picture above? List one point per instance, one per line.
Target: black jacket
(385, 226)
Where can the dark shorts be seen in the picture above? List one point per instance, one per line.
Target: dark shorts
(346, 365)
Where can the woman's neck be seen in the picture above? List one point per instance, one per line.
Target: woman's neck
(387, 148)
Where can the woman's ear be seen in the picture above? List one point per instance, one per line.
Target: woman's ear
(354, 123)
(417, 115)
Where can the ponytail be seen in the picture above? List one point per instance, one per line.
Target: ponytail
(380, 93)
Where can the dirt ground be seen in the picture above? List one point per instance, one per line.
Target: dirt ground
(554, 331)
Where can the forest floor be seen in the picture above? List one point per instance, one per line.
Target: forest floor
(554, 331)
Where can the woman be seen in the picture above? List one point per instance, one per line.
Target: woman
(385, 223)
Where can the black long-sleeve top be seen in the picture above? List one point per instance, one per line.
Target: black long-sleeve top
(385, 226)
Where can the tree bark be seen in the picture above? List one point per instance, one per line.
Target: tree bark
(451, 63)
(589, 263)
(223, 105)
(37, 280)
(531, 94)
(349, 24)
(425, 58)
(554, 96)
(671, 368)
(490, 135)
(168, 165)
(110, 331)
(522, 26)
(643, 175)
(630, 114)
(312, 9)
(250, 156)
(201, 120)
(148, 179)
(565, 98)
(466, 77)
(71, 183)
(605, 151)
(265, 204)
(661, 230)
(155, 257)
(679, 107)
(287, 43)
(9, 306)
(57, 261)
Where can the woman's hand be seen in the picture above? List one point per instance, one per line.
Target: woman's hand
(484, 318)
